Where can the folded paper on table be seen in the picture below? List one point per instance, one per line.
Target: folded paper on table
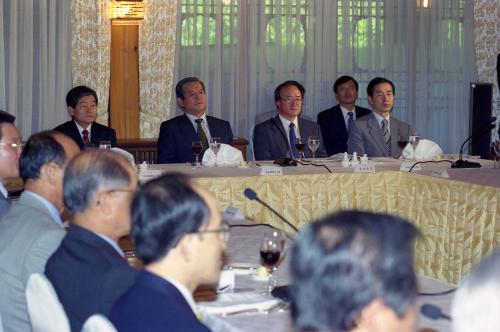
(227, 156)
(426, 150)
(126, 154)
(228, 303)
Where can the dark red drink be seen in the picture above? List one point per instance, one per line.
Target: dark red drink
(402, 144)
(269, 258)
(300, 146)
(196, 150)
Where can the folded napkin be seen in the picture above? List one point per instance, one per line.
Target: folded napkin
(126, 154)
(228, 303)
(426, 150)
(227, 156)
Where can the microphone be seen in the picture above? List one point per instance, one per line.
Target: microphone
(460, 163)
(252, 195)
(433, 312)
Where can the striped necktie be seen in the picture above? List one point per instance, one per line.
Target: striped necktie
(85, 137)
(292, 138)
(201, 134)
(387, 135)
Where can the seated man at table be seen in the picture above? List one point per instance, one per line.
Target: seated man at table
(179, 236)
(82, 128)
(377, 134)
(275, 138)
(32, 229)
(88, 270)
(177, 134)
(10, 149)
(476, 304)
(335, 121)
(353, 271)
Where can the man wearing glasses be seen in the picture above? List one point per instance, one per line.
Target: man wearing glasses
(276, 138)
(88, 270)
(178, 234)
(10, 149)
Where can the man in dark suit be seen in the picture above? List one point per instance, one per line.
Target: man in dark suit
(335, 121)
(275, 138)
(10, 149)
(377, 134)
(82, 106)
(178, 233)
(177, 134)
(88, 270)
(32, 229)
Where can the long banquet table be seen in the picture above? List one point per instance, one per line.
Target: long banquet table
(458, 217)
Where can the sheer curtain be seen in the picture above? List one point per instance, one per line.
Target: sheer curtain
(242, 49)
(35, 62)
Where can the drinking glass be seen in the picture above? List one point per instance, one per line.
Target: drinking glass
(313, 144)
(402, 142)
(300, 144)
(196, 148)
(270, 252)
(215, 146)
(496, 148)
(414, 140)
(105, 145)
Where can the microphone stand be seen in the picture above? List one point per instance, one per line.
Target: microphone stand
(460, 163)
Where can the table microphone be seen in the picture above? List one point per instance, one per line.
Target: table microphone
(252, 195)
(460, 163)
(433, 312)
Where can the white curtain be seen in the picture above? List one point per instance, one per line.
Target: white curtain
(242, 49)
(35, 62)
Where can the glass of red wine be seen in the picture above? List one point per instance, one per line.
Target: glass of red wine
(300, 144)
(196, 148)
(270, 252)
(402, 142)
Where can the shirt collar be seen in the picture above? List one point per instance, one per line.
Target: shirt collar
(52, 209)
(193, 118)
(80, 128)
(286, 124)
(111, 243)
(3, 190)
(185, 293)
(380, 118)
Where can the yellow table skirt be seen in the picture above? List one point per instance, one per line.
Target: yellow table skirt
(458, 221)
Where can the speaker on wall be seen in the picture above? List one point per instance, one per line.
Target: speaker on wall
(481, 101)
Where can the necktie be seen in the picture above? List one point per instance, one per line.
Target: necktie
(350, 120)
(201, 134)
(85, 137)
(292, 138)
(387, 135)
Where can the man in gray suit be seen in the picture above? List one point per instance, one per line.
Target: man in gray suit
(32, 229)
(377, 134)
(10, 148)
(275, 138)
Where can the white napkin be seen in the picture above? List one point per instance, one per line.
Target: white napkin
(126, 154)
(227, 156)
(426, 150)
(231, 302)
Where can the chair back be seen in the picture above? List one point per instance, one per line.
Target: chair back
(98, 323)
(45, 311)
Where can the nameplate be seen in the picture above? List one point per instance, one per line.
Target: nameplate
(370, 168)
(441, 174)
(406, 166)
(271, 171)
(145, 175)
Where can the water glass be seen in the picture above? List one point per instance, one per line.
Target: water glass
(313, 144)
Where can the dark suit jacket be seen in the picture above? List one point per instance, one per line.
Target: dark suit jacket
(88, 275)
(176, 135)
(98, 133)
(334, 130)
(366, 137)
(153, 304)
(270, 139)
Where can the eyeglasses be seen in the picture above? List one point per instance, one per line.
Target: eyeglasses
(223, 231)
(15, 145)
(290, 99)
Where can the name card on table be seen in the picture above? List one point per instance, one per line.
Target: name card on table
(441, 174)
(406, 166)
(369, 168)
(148, 174)
(271, 170)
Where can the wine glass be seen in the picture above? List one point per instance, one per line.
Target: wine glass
(402, 142)
(496, 148)
(105, 145)
(270, 252)
(300, 144)
(215, 146)
(196, 148)
(414, 140)
(313, 144)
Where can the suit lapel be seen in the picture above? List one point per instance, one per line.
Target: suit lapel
(339, 118)
(188, 129)
(75, 134)
(280, 135)
(376, 134)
